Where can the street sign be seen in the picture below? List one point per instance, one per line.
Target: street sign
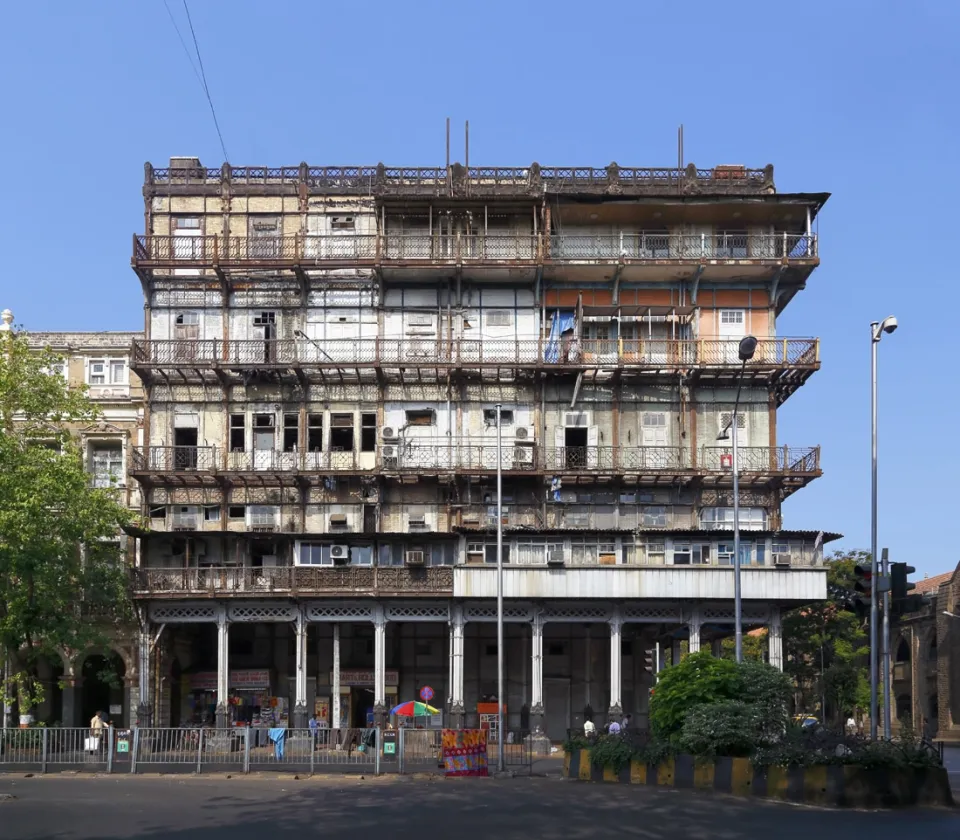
(426, 694)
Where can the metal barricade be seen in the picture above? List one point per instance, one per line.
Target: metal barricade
(291, 749)
(168, 748)
(420, 750)
(346, 748)
(41, 749)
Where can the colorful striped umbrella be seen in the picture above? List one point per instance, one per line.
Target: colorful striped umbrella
(413, 708)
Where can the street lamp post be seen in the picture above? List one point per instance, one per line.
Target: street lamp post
(500, 738)
(748, 346)
(877, 329)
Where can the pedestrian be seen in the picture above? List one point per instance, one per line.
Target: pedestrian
(625, 722)
(97, 726)
(589, 729)
(613, 728)
(314, 727)
(851, 726)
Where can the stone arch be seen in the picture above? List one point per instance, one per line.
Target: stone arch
(102, 681)
(902, 650)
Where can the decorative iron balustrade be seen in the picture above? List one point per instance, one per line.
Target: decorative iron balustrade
(491, 249)
(654, 354)
(416, 455)
(174, 458)
(616, 459)
(479, 180)
(762, 459)
(224, 580)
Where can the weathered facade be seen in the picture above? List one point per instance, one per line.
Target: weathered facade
(325, 353)
(925, 654)
(100, 361)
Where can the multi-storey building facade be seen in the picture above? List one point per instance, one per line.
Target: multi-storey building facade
(325, 353)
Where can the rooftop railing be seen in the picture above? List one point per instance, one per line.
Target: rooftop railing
(473, 181)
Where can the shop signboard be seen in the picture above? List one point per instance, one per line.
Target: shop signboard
(365, 679)
(245, 680)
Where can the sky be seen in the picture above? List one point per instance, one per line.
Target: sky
(850, 97)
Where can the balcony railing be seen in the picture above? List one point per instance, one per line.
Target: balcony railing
(428, 455)
(295, 580)
(652, 354)
(763, 459)
(308, 250)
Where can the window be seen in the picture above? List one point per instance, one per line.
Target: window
(656, 553)
(342, 223)
(314, 432)
(291, 432)
(361, 555)
(313, 554)
(490, 417)
(731, 316)
(421, 417)
(187, 222)
(498, 318)
(653, 516)
(211, 513)
(491, 553)
(236, 512)
(238, 438)
(107, 462)
(158, 512)
(262, 515)
(368, 432)
(721, 518)
(341, 432)
(106, 372)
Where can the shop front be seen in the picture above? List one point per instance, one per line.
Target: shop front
(356, 698)
(251, 700)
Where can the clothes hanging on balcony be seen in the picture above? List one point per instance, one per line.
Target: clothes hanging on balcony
(563, 322)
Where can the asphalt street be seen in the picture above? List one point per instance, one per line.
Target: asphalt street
(250, 808)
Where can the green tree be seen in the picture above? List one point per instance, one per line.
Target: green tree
(825, 646)
(59, 555)
(697, 679)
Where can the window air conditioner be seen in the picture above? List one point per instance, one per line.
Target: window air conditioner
(781, 561)
(414, 558)
(555, 556)
(339, 552)
(338, 520)
(417, 520)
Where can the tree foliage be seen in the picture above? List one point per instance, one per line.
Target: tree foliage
(825, 646)
(698, 679)
(59, 556)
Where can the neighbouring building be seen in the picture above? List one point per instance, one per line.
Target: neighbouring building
(925, 649)
(325, 353)
(75, 687)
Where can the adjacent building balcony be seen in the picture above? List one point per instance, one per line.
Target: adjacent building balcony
(295, 581)
(640, 255)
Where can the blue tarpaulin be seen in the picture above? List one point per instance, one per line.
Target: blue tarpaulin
(562, 322)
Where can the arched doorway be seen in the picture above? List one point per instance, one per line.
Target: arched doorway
(103, 688)
(903, 651)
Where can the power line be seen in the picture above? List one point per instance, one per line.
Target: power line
(206, 89)
(183, 43)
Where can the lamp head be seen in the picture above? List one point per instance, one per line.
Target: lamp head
(748, 346)
(889, 324)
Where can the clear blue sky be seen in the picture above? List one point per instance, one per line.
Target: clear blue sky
(852, 97)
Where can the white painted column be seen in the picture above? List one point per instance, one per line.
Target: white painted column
(693, 626)
(456, 660)
(335, 681)
(223, 668)
(775, 638)
(300, 701)
(536, 674)
(675, 653)
(616, 665)
(588, 666)
(379, 666)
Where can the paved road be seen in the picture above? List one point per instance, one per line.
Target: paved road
(251, 808)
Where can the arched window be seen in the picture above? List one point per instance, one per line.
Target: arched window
(903, 651)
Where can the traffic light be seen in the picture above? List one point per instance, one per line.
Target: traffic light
(864, 577)
(899, 584)
(649, 659)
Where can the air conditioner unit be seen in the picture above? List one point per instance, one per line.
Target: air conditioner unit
(417, 520)
(523, 456)
(339, 552)
(782, 561)
(391, 457)
(388, 433)
(524, 433)
(413, 558)
(576, 419)
(338, 520)
(555, 556)
(263, 529)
